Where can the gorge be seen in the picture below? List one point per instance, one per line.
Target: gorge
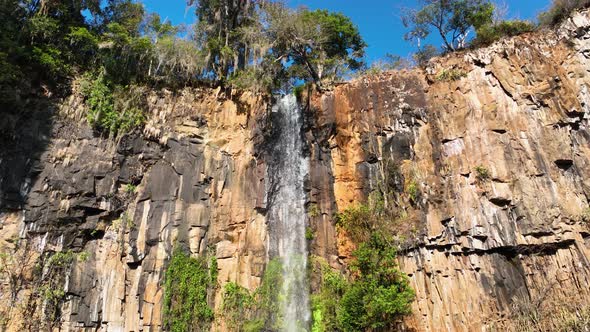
(484, 153)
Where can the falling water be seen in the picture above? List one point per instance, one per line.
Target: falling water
(287, 217)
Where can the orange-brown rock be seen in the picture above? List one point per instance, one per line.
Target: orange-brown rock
(497, 140)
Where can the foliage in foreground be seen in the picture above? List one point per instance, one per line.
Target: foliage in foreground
(377, 295)
(186, 284)
(380, 293)
(257, 311)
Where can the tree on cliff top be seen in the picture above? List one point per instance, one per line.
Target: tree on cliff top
(451, 19)
(317, 45)
(255, 39)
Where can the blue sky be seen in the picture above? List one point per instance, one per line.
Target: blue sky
(378, 20)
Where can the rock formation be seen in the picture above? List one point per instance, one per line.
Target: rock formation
(517, 112)
(495, 140)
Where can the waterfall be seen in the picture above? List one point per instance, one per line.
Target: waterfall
(286, 215)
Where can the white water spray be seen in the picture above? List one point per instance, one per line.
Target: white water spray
(287, 215)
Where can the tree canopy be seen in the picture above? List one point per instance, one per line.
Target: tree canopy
(255, 39)
(452, 20)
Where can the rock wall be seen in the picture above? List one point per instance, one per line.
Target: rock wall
(498, 142)
(193, 178)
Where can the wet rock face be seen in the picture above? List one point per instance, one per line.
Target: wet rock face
(500, 156)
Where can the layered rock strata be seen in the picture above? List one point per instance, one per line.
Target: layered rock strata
(497, 141)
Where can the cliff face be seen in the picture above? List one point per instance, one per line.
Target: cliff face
(192, 178)
(494, 143)
(497, 142)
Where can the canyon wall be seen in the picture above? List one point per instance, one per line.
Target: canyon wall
(494, 142)
(192, 178)
(497, 142)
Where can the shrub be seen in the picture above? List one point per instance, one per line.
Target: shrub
(358, 221)
(313, 211)
(255, 79)
(268, 294)
(115, 113)
(560, 10)
(237, 304)
(298, 90)
(489, 33)
(424, 54)
(453, 74)
(413, 190)
(380, 292)
(51, 61)
(130, 188)
(254, 312)
(309, 233)
(186, 284)
(481, 173)
(84, 44)
(50, 286)
(326, 301)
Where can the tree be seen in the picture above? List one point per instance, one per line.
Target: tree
(318, 44)
(451, 19)
(219, 30)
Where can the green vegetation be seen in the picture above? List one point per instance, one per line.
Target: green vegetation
(380, 293)
(254, 312)
(450, 19)
(52, 273)
(481, 173)
(453, 22)
(375, 297)
(326, 302)
(361, 221)
(113, 110)
(244, 41)
(313, 210)
(489, 33)
(309, 233)
(130, 188)
(237, 305)
(559, 10)
(122, 49)
(259, 45)
(413, 190)
(83, 256)
(186, 284)
(452, 74)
